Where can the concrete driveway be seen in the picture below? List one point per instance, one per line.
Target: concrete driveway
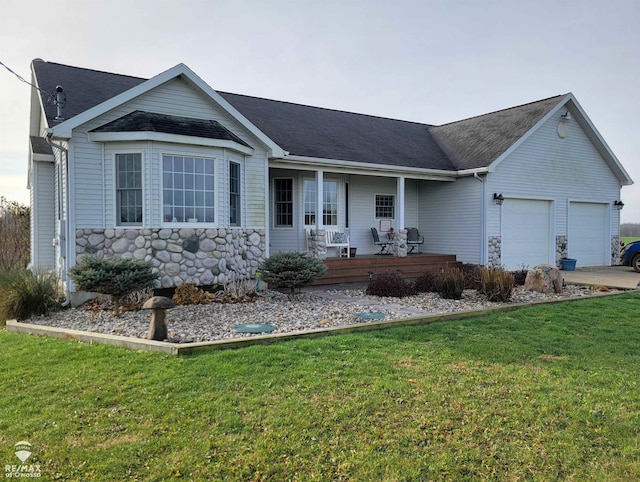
(622, 277)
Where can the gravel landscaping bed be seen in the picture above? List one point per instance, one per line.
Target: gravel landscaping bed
(312, 309)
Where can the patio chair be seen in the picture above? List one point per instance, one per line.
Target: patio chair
(382, 244)
(414, 239)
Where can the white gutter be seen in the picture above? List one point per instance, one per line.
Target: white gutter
(365, 168)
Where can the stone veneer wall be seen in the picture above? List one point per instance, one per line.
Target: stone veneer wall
(495, 251)
(561, 249)
(186, 255)
(615, 251)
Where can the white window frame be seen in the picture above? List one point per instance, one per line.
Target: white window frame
(375, 206)
(312, 201)
(275, 203)
(116, 203)
(215, 174)
(239, 193)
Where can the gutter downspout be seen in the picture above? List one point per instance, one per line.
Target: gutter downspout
(483, 227)
(64, 151)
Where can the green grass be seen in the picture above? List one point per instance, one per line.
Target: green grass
(544, 393)
(629, 239)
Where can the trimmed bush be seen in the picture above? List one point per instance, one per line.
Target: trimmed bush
(26, 294)
(116, 277)
(496, 284)
(291, 270)
(452, 284)
(389, 285)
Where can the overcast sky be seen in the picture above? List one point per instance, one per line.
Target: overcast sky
(431, 61)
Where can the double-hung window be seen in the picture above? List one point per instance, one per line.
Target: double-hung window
(283, 202)
(188, 189)
(234, 194)
(385, 206)
(129, 188)
(329, 203)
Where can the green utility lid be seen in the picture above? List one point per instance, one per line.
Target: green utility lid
(254, 328)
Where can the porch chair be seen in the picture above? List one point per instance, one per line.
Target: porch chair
(337, 239)
(414, 239)
(383, 245)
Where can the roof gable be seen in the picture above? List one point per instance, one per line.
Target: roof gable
(140, 86)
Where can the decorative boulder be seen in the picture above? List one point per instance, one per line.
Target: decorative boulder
(158, 327)
(544, 278)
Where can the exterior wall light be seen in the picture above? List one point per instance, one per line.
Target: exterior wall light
(566, 116)
(498, 198)
(618, 204)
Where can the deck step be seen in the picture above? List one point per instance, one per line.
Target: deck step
(361, 268)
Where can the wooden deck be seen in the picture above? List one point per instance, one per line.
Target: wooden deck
(361, 267)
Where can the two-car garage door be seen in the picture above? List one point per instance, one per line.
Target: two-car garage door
(528, 237)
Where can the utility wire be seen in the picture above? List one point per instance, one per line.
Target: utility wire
(21, 79)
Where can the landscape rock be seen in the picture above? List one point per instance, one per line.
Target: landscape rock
(544, 278)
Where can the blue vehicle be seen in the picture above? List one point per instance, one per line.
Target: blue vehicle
(631, 256)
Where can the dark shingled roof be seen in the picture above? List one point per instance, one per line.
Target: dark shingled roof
(140, 121)
(39, 145)
(314, 132)
(84, 88)
(478, 141)
(326, 133)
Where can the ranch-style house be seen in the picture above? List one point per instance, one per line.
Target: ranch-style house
(205, 184)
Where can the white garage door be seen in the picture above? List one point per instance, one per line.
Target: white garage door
(588, 233)
(526, 233)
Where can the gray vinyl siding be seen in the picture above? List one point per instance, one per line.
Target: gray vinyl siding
(450, 218)
(42, 216)
(546, 166)
(363, 190)
(411, 203)
(94, 196)
(286, 238)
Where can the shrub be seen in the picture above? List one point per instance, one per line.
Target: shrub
(190, 294)
(237, 291)
(427, 283)
(471, 276)
(496, 284)
(291, 270)
(452, 284)
(389, 285)
(27, 294)
(520, 276)
(115, 276)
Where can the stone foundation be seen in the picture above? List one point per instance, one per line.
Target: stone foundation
(186, 255)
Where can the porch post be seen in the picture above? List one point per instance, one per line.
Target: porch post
(400, 203)
(319, 198)
(320, 244)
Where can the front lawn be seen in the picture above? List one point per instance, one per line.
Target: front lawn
(544, 393)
